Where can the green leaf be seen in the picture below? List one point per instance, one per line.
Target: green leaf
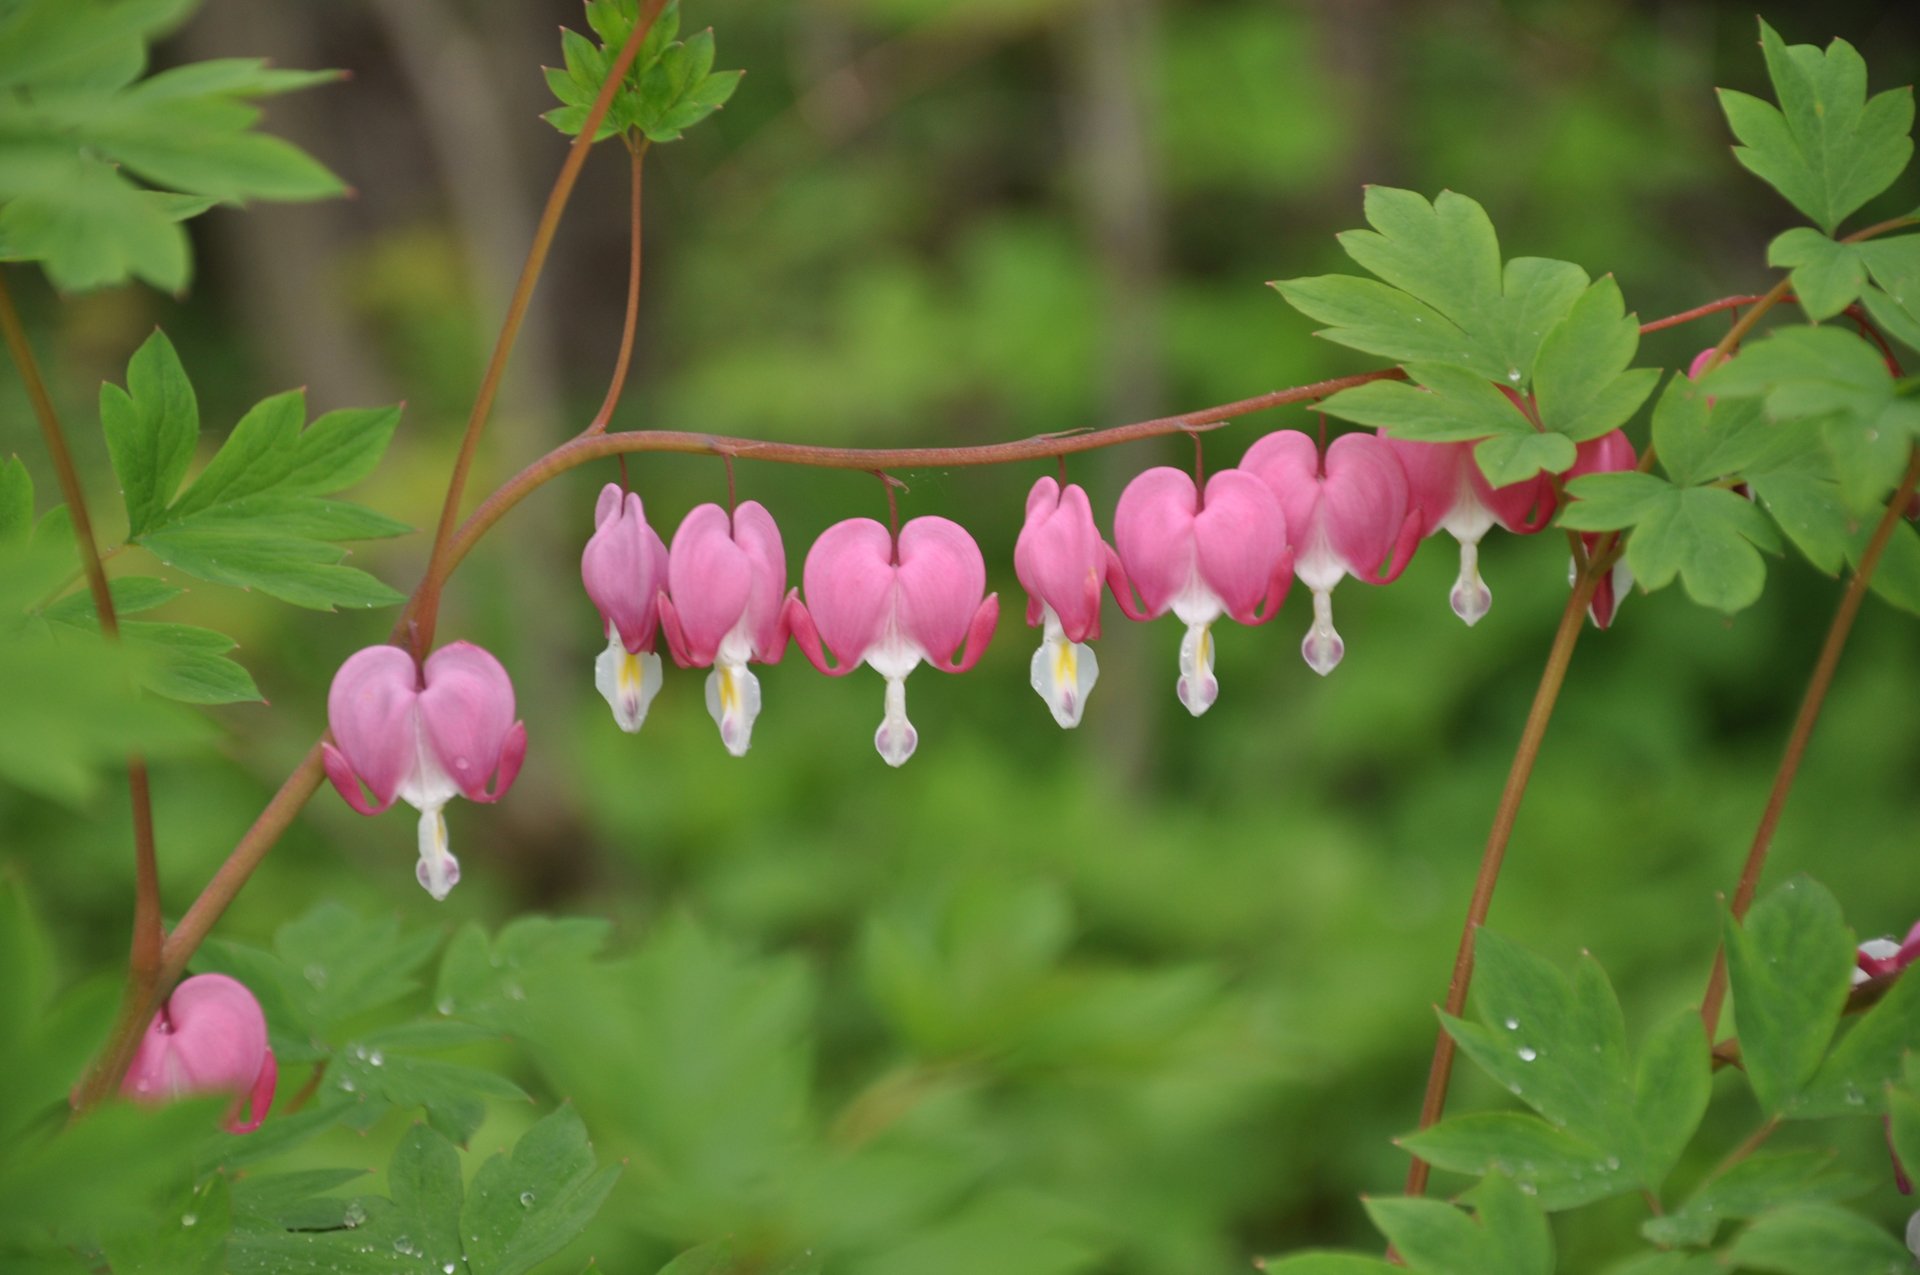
(1894, 264)
(1899, 320)
(1705, 535)
(1509, 1236)
(1668, 1264)
(1790, 967)
(1827, 276)
(1560, 1169)
(1307, 1264)
(1819, 1239)
(1700, 439)
(90, 227)
(1444, 257)
(1671, 1088)
(1581, 380)
(341, 448)
(526, 1207)
(1828, 148)
(1903, 1124)
(1556, 1043)
(151, 428)
(1853, 1079)
(487, 983)
(1809, 509)
(1447, 405)
(259, 454)
(712, 1258)
(131, 595)
(1513, 458)
(1898, 578)
(1750, 1188)
(303, 572)
(16, 502)
(453, 1095)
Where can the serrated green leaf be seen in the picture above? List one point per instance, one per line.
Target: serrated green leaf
(1828, 148)
(1853, 1079)
(131, 595)
(301, 571)
(1561, 1170)
(341, 448)
(487, 983)
(16, 502)
(1789, 966)
(1671, 1086)
(1750, 1188)
(1899, 320)
(1710, 538)
(152, 427)
(1558, 1044)
(1809, 509)
(1903, 1124)
(1322, 1263)
(1819, 1239)
(1512, 458)
(1897, 579)
(258, 455)
(1580, 380)
(1827, 276)
(1445, 259)
(1447, 405)
(1613, 501)
(715, 90)
(1508, 1236)
(525, 1207)
(266, 1198)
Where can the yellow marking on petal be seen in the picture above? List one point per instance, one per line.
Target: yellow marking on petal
(1203, 650)
(1065, 664)
(628, 674)
(729, 692)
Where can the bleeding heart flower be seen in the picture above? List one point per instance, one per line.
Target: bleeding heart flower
(624, 567)
(424, 736)
(209, 1037)
(891, 606)
(1200, 560)
(1062, 563)
(1348, 515)
(1881, 956)
(727, 577)
(1452, 495)
(1610, 453)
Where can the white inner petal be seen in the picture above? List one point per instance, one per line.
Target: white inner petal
(1063, 672)
(896, 739)
(1471, 598)
(733, 701)
(438, 870)
(427, 785)
(1322, 647)
(1197, 687)
(627, 682)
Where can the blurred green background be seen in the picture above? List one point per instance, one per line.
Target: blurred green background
(1148, 997)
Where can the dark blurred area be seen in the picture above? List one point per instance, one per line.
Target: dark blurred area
(962, 221)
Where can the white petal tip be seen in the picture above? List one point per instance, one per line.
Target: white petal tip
(733, 701)
(1471, 602)
(438, 875)
(1198, 694)
(896, 742)
(627, 682)
(1063, 673)
(1323, 653)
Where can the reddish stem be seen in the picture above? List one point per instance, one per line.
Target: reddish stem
(601, 418)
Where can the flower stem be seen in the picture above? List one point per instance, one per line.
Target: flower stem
(1572, 620)
(143, 962)
(424, 614)
(638, 150)
(1803, 724)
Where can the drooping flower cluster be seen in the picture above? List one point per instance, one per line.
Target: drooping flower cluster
(209, 1037)
(1226, 547)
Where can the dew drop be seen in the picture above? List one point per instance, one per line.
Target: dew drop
(403, 1245)
(347, 1085)
(376, 1059)
(447, 1269)
(526, 1199)
(189, 1219)
(1528, 1188)
(1528, 1053)
(1513, 374)
(316, 974)
(354, 1216)
(444, 1005)
(1613, 1164)
(1513, 1024)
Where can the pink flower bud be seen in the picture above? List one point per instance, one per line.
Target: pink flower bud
(1346, 515)
(1062, 563)
(209, 1037)
(727, 577)
(1226, 556)
(1610, 453)
(1452, 495)
(424, 736)
(891, 606)
(624, 567)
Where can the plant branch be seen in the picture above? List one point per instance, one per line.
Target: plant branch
(619, 381)
(424, 614)
(143, 962)
(1803, 724)
(1572, 620)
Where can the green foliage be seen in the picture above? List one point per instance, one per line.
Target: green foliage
(1788, 965)
(1827, 147)
(1507, 1236)
(521, 1208)
(1530, 359)
(1819, 1239)
(257, 516)
(670, 86)
(78, 125)
(1752, 1187)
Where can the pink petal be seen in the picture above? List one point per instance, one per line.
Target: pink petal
(624, 567)
(1524, 507)
(1701, 362)
(1609, 453)
(710, 579)
(759, 539)
(210, 1037)
(370, 711)
(942, 578)
(1060, 558)
(1433, 477)
(1239, 539)
(1288, 462)
(1153, 534)
(467, 710)
(849, 582)
(1364, 505)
